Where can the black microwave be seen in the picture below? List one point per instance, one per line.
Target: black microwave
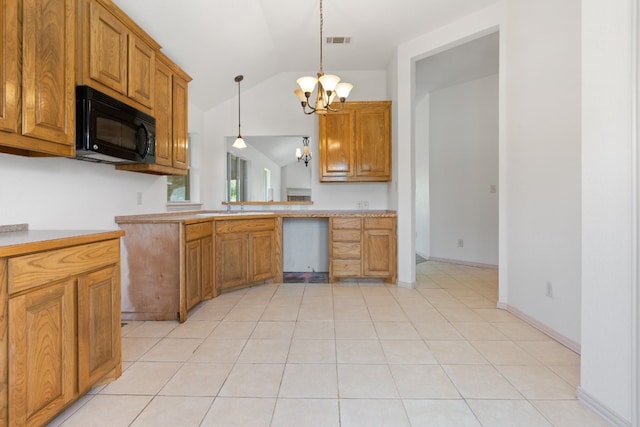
(110, 131)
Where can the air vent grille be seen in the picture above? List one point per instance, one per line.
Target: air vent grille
(339, 40)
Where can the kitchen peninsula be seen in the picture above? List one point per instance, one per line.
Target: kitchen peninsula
(172, 261)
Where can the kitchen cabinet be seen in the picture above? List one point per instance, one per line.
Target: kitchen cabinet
(246, 252)
(355, 143)
(362, 247)
(61, 325)
(171, 114)
(117, 56)
(38, 77)
(199, 263)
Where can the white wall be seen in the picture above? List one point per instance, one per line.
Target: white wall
(271, 108)
(256, 164)
(463, 166)
(608, 232)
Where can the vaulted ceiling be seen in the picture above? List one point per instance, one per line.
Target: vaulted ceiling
(215, 40)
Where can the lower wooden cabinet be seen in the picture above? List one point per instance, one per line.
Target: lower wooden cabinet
(61, 326)
(245, 252)
(199, 263)
(362, 247)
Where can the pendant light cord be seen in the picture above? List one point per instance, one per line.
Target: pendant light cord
(239, 79)
(321, 23)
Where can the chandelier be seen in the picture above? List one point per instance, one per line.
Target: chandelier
(304, 154)
(239, 142)
(329, 87)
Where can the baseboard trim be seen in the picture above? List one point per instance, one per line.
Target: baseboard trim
(406, 285)
(567, 342)
(467, 263)
(596, 406)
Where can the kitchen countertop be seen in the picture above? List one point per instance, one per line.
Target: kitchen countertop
(14, 243)
(203, 216)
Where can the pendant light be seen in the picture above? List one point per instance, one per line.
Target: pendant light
(329, 87)
(239, 142)
(304, 154)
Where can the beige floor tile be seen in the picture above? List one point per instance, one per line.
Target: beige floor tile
(365, 381)
(264, 351)
(218, 351)
(359, 351)
(437, 331)
(246, 313)
(507, 413)
(423, 382)
(153, 329)
(197, 379)
(306, 412)
(474, 331)
(459, 314)
(174, 411)
(569, 373)
(283, 314)
(233, 330)
(130, 325)
(372, 412)
(382, 313)
(312, 351)
(309, 381)
(71, 410)
(480, 382)
(407, 352)
(347, 330)
(424, 315)
(520, 331)
(386, 300)
(359, 312)
(440, 298)
(550, 352)
(312, 312)
(233, 412)
(568, 413)
(212, 310)
(495, 315)
(456, 353)
(316, 330)
(194, 329)
(99, 411)
(273, 330)
(143, 378)
(440, 413)
(504, 353)
(396, 331)
(172, 350)
(253, 380)
(134, 348)
(537, 382)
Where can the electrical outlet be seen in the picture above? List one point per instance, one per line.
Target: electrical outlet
(549, 290)
(460, 243)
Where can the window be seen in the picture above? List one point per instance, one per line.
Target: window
(179, 186)
(236, 178)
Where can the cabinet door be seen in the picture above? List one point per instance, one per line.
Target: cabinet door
(99, 335)
(336, 133)
(162, 113)
(261, 244)
(42, 361)
(232, 260)
(48, 70)
(180, 123)
(10, 90)
(208, 287)
(193, 273)
(141, 71)
(107, 49)
(379, 253)
(373, 142)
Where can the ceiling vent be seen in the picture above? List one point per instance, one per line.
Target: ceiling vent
(338, 40)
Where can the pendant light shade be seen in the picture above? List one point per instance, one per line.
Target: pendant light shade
(239, 142)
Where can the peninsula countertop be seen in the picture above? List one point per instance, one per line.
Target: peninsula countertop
(14, 243)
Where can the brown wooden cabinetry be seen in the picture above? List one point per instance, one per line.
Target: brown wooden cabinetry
(61, 327)
(38, 77)
(117, 57)
(355, 143)
(246, 252)
(199, 263)
(362, 247)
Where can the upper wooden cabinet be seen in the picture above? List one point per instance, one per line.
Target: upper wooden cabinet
(355, 143)
(117, 57)
(37, 105)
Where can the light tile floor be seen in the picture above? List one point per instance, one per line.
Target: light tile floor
(349, 354)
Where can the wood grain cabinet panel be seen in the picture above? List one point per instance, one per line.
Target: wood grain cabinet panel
(141, 73)
(9, 64)
(108, 47)
(232, 260)
(163, 114)
(193, 271)
(355, 143)
(179, 102)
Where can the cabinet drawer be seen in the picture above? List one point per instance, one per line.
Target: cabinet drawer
(346, 250)
(379, 223)
(345, 267)
(30, 271)
(198, 231)
(354, 223)
(245, 225)
(346, 235)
